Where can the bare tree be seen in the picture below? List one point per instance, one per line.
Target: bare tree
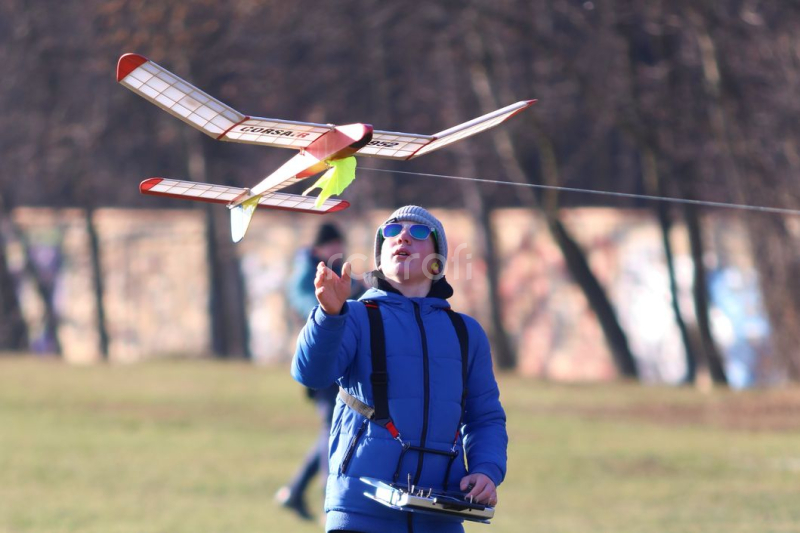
(13, 329)
(573, 254)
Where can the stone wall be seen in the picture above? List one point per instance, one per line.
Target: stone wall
(156, 282)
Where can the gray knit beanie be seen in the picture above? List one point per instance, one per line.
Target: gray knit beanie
(413, 213)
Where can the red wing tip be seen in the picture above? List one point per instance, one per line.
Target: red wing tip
(528, 103)
(128, 63)
(341, 206)
(149, 183)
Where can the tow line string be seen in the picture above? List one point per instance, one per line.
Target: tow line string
(726, 205)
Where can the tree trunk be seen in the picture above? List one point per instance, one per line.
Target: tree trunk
(227, 310)
(227, 306)
(97, 283)
(598, 300)
(45, 287)
(13, 329)
(779, 269)
(709, 353)
(505, 356)
(573, 254)
(631, 123)
(655, 186)
(503, 352)
(773, 247)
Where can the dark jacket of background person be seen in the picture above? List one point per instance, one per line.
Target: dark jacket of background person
(300, 291)
(301, 297)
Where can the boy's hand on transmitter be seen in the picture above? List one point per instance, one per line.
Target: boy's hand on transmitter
(481, 489)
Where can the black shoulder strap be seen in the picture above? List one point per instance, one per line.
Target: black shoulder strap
(463, 340)
(379, 376)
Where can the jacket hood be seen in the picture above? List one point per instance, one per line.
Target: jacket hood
(380, 289)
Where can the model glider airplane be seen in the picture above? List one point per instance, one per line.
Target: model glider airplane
(322, 146)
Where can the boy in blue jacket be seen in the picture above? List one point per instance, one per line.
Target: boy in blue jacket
(442, 408)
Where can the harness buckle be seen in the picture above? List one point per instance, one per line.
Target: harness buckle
(454, 449)
(391, 428)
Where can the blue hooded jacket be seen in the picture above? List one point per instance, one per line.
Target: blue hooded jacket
(423, 359)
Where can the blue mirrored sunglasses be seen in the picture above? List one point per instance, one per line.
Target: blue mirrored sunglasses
(418, 231)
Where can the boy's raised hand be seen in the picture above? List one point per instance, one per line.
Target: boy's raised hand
(331, 290)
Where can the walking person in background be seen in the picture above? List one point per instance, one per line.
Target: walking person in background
(328, 247)
(418, 390)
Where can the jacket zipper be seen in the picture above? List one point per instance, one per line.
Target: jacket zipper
(352, 448)
(426, 383)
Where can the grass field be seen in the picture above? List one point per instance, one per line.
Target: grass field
(195, 447)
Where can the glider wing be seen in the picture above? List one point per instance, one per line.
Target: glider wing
(222, 194)
(275, 132)
(220, 121)
(394, 145)
(391, 145)
(204, 112)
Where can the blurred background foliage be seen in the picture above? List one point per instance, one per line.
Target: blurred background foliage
(693, 100)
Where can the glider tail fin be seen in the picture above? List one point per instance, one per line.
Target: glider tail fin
(241, 215)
